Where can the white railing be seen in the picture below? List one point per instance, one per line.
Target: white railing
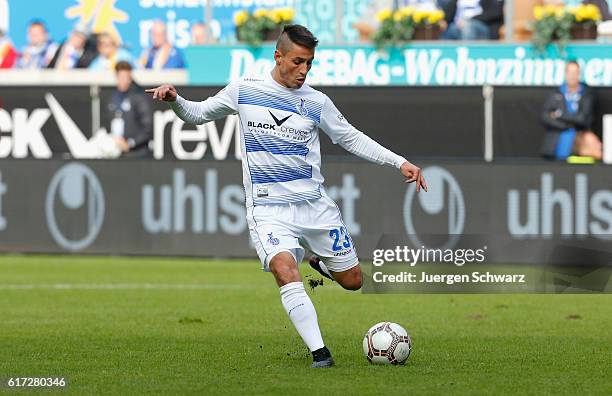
(88, 77)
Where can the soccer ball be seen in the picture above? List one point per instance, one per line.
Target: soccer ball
(387, 343)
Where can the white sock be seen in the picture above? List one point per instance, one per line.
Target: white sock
(324, 268)
(302, 313)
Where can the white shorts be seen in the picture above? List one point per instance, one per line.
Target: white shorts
(315, 225)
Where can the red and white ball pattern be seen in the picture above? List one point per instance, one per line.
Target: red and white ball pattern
(387, 343)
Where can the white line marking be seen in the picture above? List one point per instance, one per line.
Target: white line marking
(122, 286)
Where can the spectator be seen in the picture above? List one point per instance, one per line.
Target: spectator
(368, 24)
(568, 115)
(131, 115)
(40, 50)
(75, 52)
(109, 54)
(199, 34)
(604, 28)
(473, 19)
(162, 54)
(8, 55)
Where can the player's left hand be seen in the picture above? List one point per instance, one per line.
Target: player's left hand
(413, 174)
(122, 143)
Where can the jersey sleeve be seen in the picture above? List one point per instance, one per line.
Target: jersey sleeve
(224, 103)
(352, 140)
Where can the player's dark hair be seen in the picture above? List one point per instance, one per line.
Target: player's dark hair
(296, 34)
(123, 65)
(572, 62)
(38, 22)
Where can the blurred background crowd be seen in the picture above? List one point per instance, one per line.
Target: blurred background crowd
(150, 41)
(87, 46)
(96, 51)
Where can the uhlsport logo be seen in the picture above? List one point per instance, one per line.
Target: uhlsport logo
(444, 195)
(74, 197)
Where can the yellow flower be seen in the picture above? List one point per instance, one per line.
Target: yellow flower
(586, 12)
(287, 14)
(261, 13)
(383, 15)
(598, 15)
(419, 16)
(241, 17)
(435, 16)
(582, 14)
(275, 15)
(406, 11)
(279, 15)
(397, 16)
(588, 8)
(538, 13)
(592, 12)
(550, 9)
(560, 12)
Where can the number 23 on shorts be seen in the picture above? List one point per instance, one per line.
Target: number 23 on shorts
(341, 239)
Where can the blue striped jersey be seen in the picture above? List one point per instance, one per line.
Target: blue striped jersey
(281, 158)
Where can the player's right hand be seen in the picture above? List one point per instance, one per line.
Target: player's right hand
(166, 93)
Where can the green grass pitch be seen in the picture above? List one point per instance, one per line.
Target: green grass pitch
(185, 326)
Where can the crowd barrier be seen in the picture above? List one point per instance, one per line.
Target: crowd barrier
(467, 122)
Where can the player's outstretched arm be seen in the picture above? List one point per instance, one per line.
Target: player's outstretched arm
(222, 104)
(354, 141)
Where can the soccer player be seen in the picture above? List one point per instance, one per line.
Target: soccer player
(286, 203)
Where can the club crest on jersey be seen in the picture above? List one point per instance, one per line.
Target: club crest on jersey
(301, 108)
(272, 240)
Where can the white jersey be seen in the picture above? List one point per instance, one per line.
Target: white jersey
(280, 136)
